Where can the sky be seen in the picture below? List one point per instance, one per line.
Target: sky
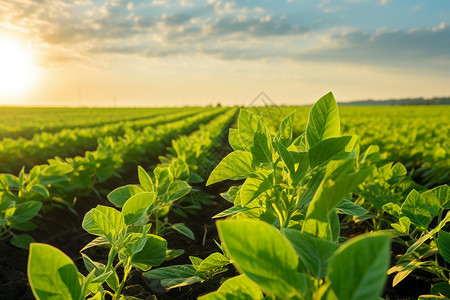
(189, 52)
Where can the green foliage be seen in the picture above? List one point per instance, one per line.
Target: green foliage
(181, 275)
(20, 201)
(61, 181)
(236, 288)
(153, 197)
(358, 268)
(297, 185)
(131, 245)
(292, 181)
(299, 266)
(314, 253)
(265, 256)
(323, 121)
(414, 218)
(52, 274)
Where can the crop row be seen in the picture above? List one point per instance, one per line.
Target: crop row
(61, 181)
(293, 199)
(417, 136)
(15, 153)
(161, 189)
(24, 121)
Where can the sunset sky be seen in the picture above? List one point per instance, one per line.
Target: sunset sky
(188, 52)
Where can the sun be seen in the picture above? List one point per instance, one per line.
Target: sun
(17, 69)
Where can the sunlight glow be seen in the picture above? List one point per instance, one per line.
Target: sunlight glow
(17, 70)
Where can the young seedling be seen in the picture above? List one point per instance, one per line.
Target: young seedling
(165, 188)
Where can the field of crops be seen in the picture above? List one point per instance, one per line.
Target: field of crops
(212, 203)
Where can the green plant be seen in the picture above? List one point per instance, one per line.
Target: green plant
(164, 187)
(388, 183)
(297, 186)
(292, 182)
(51, 272)
(181, 275)
(295, 265)
(20, 201)
(428, 245)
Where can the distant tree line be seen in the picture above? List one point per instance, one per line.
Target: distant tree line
(407, 101)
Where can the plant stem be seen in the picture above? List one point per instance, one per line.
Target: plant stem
(126, 271)
(157, 227)
(111, 255)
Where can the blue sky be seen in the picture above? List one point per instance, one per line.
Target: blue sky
(140, 50)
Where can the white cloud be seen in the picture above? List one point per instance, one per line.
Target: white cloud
(267, 18)
(186, 3)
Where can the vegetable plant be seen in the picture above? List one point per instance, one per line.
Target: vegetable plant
(285, 241)
(292, 182)
(21, 199)
(421, 224)
(294, 265)
(164, 187)
(130, 244)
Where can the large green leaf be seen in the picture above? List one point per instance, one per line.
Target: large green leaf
(255, 136)
(439, 196)
(284, 134)
(332, 148)
(252, 188)
(136, 207)
(444, 245)
(26, 211)
(213, 261)
(236, 288)
(22, 241)
(350, 208)
(296, 162)
(335, 186)
(106, 221)
(314, 253)
(441, 288)
(153, 254)
(52, 274)
(263, 254)
(174, 276)
(236, 165)
(176, 190)
(120, 195)
(248, 123)
(145, 180)
(431, 233)
(323, 121)
(358, 269)
(234, 139)
(416, 209)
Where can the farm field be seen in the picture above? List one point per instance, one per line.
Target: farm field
(225, 202)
